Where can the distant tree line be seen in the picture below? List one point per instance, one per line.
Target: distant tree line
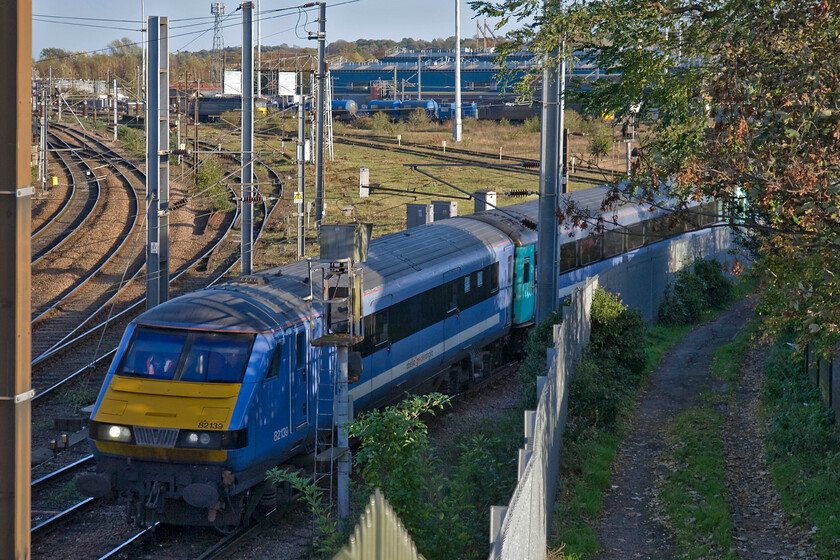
(123, 57)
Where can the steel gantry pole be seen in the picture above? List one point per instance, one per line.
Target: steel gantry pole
(157, 163)
(547, 221)
(15, 280)
(457, 129)
(259, 50)
(319, 116)
(247, 173)
(301, 166)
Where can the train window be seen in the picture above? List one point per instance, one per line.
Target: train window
(568, 256)
(590, 249)
(274, 366)
(380, 327)
(613, 243)
(467, 284)
(493, 274)
(217, 358)
(635, 236)
(153, 353)
(300, 349)
(479, 279)
(526, 272)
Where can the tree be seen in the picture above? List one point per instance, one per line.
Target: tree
(741, 100)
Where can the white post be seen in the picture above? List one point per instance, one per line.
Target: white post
(456, 131)
(115, 110)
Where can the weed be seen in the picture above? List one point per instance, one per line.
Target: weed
(328, 538)
(67, 494)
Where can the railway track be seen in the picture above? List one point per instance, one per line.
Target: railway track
(61, 220)
(95, 336)
(488, 161)
(391, 141)
(97, 270)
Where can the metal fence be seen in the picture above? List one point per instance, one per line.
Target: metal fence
(379, 534)
(520, 530)
(825, 375)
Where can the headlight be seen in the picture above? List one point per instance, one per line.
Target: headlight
(110, 432)
(213, 440)
(200, 440)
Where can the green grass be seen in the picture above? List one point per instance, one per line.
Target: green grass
(727, 359)
(581, 490)
(803, 449)
(694, 495)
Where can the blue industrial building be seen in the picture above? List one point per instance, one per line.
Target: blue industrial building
(430, 74)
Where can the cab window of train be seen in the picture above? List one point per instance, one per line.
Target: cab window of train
(217, 358)
(274, 366)
(153, 353)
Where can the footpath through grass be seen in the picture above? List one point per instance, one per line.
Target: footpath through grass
(591, 444)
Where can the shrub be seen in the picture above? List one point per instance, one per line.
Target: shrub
(533, 364)
(694, 290)
(419, 117)
(618, 333)
(573, 121)
(600, 139)
(531, 124)
(604, 382)
(718, 287)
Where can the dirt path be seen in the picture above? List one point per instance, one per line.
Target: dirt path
(628, 528)
(761, 529)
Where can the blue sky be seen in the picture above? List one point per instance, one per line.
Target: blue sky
(362, 19)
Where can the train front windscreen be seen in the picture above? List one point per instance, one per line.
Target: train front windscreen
(179, 355)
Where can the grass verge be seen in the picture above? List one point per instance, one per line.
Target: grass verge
(694, 496)
(803, 450)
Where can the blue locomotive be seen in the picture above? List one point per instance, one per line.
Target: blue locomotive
(209, 390)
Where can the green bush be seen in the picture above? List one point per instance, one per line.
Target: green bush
(531, 124)
(444, 506)
(718, 288)
(573, 121)
(695, 289)
(605, 380)
(618, 334)
(600, 139)
(533, 364)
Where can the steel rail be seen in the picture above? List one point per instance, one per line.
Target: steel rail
(266, 213)
(55, 474)
(82, 506)
(80, 224)
(59, 213)
(114, 253)
(142, 534)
